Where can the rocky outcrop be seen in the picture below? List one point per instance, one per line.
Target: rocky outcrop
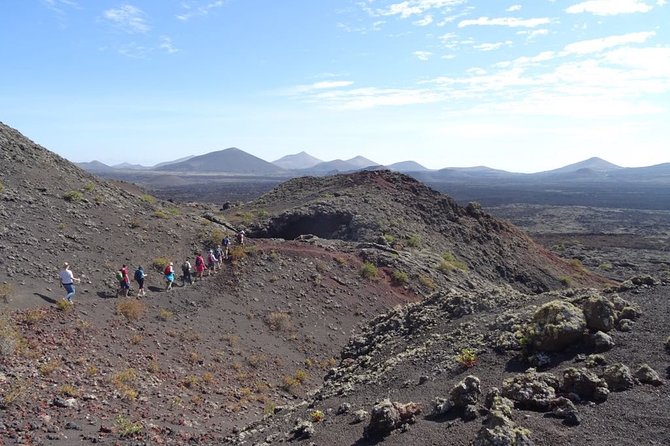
(386, 416)
(646, 375)
(463, 396)
(556, 325)
(618, 377)
(600, 314)
(584, 384)
(531, 390)
(499, 429)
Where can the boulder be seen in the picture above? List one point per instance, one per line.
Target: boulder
(601, 342)
(564, 408)
(585, 384)
(302, 430)
(499, 429)
(646, 375)
(618, 377)
(531, 390)
(556, 325)
(466, 392)
(599, 313)
(387, 416)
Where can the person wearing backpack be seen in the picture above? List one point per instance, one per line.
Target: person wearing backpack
(186, 273)
(169, 276)
(199, 266)
(211, 262)
(218, 255)
(124, 281)
(139, 278)
(226, 247)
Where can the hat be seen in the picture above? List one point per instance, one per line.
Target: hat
(65, 264)
(171, 263)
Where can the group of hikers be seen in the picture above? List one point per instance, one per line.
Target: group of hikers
(211, 262)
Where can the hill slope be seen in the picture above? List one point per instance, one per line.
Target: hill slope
(302, 160)
(230, 160)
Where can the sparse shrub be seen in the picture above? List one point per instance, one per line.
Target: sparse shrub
(566, 281)
(269, 408)
(174, 211)
(136, 339)
(68, 390)
(300, 376)
(153, 367)
(73, 196)
(427, 282)
(160, 214)
(134, 224)
(159, 263)
(605, 266)
(125, 427)
(316, 416)
(64, 306)
(148, 198)
(207, 378)
(449, 263)
(193, 357)
(328, 363)
(89, 186)
(165, 315)
(400, 277)
(14, 394)
(389, 238)
(91, 371)
(6, 292)
(33, 316)
(255, 361)
(131, 309)
(190, 382)
(289, 383)
(279, 321)
(274, 255)
(369, 271)
(309, 363)
(576, 264)
(414, 241)
(231, 339)
(238, 252)
(247, 218)
(341, 261)
(99, 199)
(262, 213)
(467, 357)
(122, 382)
(49, 367)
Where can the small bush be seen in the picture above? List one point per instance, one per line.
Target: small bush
(414, 241)
(33, 316)
(134, 224)
(238, 252)
(605, 266)
(300, 376)
(159, 263)
(467, 357)
(449, 263)
(278, 321)
(341, 261)
(231, 339)
(136, 339)
(255, 361)
(73, 196)
(131, 309)
(148, 198)
(316, 416)
(427, 282)
(125, 427)
(576, 264)
(6, 291)
(269, 408)
(13, 395)
(91, 371)
(153, 367)
(68, 390)
(123, 381)
(289, 383)
(165, 315)
(389, 238)
(49, 367)
(400, 277)
(160, 214)
(566, 281)
(174, 211)
(369, 271)
(64, 306)
(88, 187)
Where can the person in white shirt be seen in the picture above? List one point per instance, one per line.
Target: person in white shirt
(67, 280)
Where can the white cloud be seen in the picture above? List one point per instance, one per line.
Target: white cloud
(198, 9)
(609, 7)
(599, 45)
(128, 18)
(134, 51)
(409, 8)
(424, 21)
(505, 21)
(513, 8)
(166, 44)
(315, 87)
(661, 2)
(59, 6)
(422, 55)
(492, 46)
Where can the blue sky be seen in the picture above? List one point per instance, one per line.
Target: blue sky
(517, 85)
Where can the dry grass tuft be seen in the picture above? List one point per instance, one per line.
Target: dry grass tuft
(131, 309)
(279, 321)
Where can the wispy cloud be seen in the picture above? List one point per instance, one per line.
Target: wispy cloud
(315, 87)
(513, 8)
(409, 8)
(533, 33)
(134, 51)
(424, 21)
(610, 7)
(598, 45)
(511, 22)
(60, 6)
(492, 46)
(422, 55)
(166, 44)
(128, 18)
(198, 9)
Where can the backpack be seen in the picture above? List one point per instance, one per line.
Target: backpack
(186, 267)
(139, 275)
(119, 276)
(168, 271)
(198, 261)
(226, 241)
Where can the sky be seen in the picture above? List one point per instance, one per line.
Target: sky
(519, 85)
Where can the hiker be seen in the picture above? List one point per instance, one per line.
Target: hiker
(199, 266)
(186, 273)
(139, 278)
(240, 237)
(226, 247)
(211, 262)
(218, 255)
(67, 281)
(124, 281)
(169, 276)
